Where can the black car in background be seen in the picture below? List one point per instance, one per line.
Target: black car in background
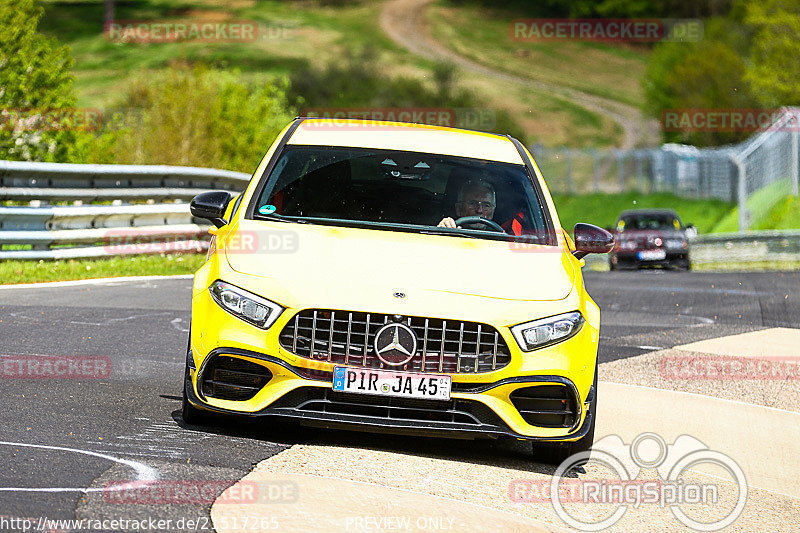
(650, 237)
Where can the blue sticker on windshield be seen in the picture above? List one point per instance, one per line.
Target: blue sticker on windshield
(267, 209)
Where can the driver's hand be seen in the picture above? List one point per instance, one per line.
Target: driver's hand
(447, 222)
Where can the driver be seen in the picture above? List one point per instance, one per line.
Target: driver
(475, 198)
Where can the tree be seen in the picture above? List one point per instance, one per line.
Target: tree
(35, 80)
(706, 75)
(775, 72)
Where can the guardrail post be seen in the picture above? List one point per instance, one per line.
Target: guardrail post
(744, 221)
(596, 169)
(640, 171)
(795, 162)
(621, 168)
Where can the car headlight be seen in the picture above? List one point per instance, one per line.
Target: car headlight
(244, 305)
(546, 331)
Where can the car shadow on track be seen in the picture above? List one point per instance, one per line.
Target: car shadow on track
(503, 452)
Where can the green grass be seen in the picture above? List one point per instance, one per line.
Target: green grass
(755, 266)
(321, 33)
(785, 214)
(13, 271)
(773, 209)
(603, 209)
(610, 71)
(315, 34)
(598, 263)
(765, 210)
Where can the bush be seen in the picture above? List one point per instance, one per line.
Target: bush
(710, 74)
(358, 82)
(193, 117)
(35, 80)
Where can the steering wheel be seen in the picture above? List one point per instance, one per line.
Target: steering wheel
(490, 224)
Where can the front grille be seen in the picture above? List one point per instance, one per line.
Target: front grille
(231, 378)
(345, 337)
(551, 406)
(386, 408)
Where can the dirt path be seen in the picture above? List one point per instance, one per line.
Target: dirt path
(404, 22)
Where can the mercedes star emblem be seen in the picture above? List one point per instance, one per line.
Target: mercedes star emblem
(395, 344)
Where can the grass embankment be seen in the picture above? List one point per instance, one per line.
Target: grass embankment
(12, 272)
(708, 216)
(318, 34)
(603, 209)
(607, 70)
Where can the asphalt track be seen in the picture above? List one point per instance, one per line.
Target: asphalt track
(64, 440)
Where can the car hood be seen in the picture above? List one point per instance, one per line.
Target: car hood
(326, 259)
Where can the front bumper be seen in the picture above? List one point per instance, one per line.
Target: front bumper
(466, 415)
(630, 259)
(481, 402)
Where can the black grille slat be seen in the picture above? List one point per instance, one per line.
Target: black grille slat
(318, 400)
(231, 378)
(449, 346)
(546, 405)
(218, 383)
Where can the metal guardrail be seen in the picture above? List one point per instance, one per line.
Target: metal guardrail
(746, 247)
(738, 248)
(164, 223)
(160, 222)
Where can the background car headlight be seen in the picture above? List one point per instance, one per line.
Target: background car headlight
(546, 331)
(247, 306)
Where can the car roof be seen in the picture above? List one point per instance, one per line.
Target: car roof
(646, 212)
(407, 137)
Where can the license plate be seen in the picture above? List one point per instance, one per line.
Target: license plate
(400, 384)
(652, 255)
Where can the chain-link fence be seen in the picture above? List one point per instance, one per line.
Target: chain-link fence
(754, 174)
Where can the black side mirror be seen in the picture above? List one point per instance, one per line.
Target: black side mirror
(211, 205)
(591, 239)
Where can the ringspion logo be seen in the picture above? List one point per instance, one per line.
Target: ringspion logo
(672, 489)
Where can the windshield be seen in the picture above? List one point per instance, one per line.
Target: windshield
(407, 191)
(659, 221)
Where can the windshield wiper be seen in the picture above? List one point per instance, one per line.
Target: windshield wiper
(278, 218)
(449, 231)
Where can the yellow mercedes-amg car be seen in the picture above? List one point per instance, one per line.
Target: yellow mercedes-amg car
(396, 277)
